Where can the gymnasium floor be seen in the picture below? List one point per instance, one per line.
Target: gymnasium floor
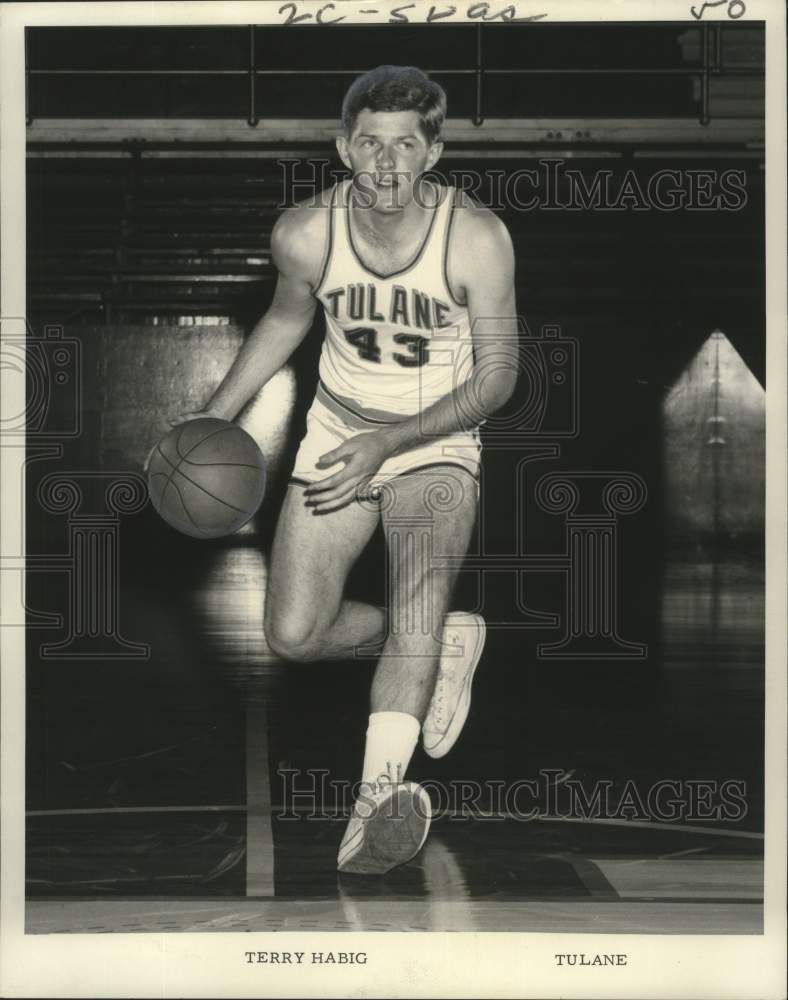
(157, 802)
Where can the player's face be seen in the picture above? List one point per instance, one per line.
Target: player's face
(387, 152)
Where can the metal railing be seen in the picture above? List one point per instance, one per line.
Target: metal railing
(711, 64)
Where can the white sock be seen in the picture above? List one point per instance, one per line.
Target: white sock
(391, 740)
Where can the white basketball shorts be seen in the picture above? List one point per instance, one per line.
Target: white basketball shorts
(330, 422)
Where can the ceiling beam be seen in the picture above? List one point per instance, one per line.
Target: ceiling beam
(566, 132)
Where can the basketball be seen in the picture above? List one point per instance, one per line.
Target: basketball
(207, 477)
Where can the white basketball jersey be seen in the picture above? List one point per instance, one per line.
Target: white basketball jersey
(395, 343)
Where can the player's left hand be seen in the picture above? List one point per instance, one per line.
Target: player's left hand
(363, 455)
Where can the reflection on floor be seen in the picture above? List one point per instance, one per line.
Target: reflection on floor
(472, 874)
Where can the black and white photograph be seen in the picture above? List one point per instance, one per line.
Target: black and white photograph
(393, 451)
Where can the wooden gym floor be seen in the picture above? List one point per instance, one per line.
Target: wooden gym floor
(157, 800)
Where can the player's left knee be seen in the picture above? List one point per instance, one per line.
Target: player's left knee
(297, 652)
(294, 639)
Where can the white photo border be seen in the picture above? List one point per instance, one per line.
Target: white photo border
(398, 965)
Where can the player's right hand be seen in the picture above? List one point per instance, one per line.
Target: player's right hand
(175, 421)
(183, 418)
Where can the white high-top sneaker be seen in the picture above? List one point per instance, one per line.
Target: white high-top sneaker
(387, 828)
(463, 636)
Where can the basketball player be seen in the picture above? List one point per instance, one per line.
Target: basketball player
(416, 284)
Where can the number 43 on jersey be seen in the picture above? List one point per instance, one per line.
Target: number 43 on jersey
(365, 340)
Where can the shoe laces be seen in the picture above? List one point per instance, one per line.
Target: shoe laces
(444, 677)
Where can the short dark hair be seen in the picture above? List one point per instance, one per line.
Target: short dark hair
(397, 88)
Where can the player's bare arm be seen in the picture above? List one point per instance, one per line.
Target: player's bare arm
(297, 243)
(481, 271)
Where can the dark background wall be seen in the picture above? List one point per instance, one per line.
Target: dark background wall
(161, 265)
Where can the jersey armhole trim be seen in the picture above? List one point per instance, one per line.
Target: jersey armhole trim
(447, 239)
(329, 245)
